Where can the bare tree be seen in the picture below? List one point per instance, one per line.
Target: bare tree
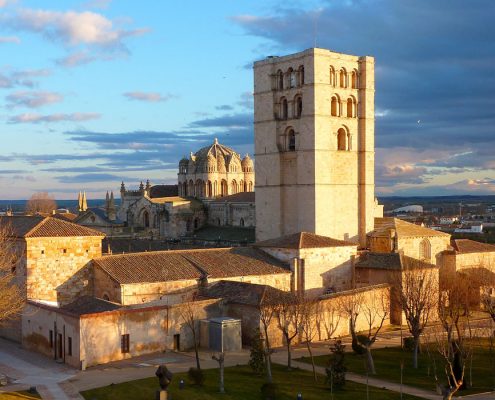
(288, 314)
(330, 318)
(221, 363)
(40, 202)
(375, 311)
(12, 298)
(188, 314)
(310, 315)
(349, 305)
(416, 290)
(268, 306)
(453, 337)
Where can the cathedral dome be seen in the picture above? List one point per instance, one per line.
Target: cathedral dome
(215, 155)
(247, 164)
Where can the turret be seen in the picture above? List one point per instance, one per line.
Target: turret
(141, 187)
(148, 187)
(84, 203)
(111, 212)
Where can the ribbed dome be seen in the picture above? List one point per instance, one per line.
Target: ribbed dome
(247, 164)
(215, 154)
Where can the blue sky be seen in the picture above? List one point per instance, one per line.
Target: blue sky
(99, 91)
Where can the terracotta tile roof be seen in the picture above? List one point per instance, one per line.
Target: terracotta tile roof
(90, 305)
(162, 266)
(403, 228)
(36, 226)
(303, 240)
(390, 261)
(472, 246)
(164, 191)
(243, 197)
(65, 216)
(242, 292)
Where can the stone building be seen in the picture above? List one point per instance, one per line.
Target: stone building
(213, 171)
(314, 145)
(233, 210)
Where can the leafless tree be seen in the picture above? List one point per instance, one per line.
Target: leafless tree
(453, 337)
(310, 312)
(221, 363)
(12, 298)
(288, 315)
(268, 307)
(375, 310)
(40, 202)
(330, 318)
(188, 314)
(349, 306)
(416, 288)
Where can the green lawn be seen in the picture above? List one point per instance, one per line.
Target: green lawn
(388, 361)
(240, 383)
(18, 396)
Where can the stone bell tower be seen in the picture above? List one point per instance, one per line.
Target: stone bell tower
(314, 145)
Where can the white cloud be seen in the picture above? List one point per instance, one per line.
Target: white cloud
(34, 118)
(148, 96)
(10, 39)
(32, 99)
(73, 28)
(4, 3)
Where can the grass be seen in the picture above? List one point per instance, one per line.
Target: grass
(388, 360)
(18, 396)
(240, 383)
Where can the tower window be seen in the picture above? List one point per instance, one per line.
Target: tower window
(298, 107)
(301, 75)
(284, 109)
(332, 76)
(425, 250)
(351, 107)
(335, 106)
(343, 78)
(342, 139)
(280, 80)
(354, 79)
(291, 141)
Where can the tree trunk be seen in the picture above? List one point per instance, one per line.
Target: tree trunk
(415, 352)
(196, 350)
(289, 357)
(222, 389)
(369, 361)
(308, 345)
(268, 362)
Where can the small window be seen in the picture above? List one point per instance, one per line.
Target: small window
(69, 346)
(291, 145)
(42, 251)
(241, 222)
(65, 251)
(51, 339)
(105, 297)
(124, 343)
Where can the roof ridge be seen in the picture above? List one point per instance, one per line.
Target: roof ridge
(175, 251)
(36, 227)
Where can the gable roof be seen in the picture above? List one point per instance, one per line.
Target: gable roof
(163, 191)
(303, 240)
(100, 213)
(173, 265)
(472, 246)
(37, 226)
(242, 197)
(391, 261)
(402, 228)
(242, 292)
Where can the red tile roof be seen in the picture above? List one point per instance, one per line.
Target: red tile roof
(403, 228)
(303, 240)
(471, 246)
(243, 197)
(37, 226)
(162, 266)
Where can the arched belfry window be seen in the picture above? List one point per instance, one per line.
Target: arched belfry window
(425, 250)
(146, 219)
(280, 80)
(332, 76)
(298, 106)
(343, 78)
(351, 107)
(284, 108)
(354, 79)
(291, 75)
(291, 140)
(342, 138)
(335, 106)
(301, 75)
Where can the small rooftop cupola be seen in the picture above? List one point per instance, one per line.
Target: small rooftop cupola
(122, 188)
(247, 164)
(84, 202)
(148, 187)
(141, 187)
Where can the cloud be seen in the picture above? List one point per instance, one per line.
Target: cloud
(15, 78)
(32, 99)
(73, 28)
(4, 3)
(34, 118)
(76, 59)
(84, 178)
(152, 97)
(10, 39)
(101, 4)
(405, 174)
(224, 107)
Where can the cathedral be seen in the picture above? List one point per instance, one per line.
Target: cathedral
(319, 230)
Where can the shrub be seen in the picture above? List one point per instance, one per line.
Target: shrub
(408, 343)
(336, 368)
(196, 375)
(269, 391)
(257, 358)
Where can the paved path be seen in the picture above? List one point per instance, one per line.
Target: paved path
(28, 369)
